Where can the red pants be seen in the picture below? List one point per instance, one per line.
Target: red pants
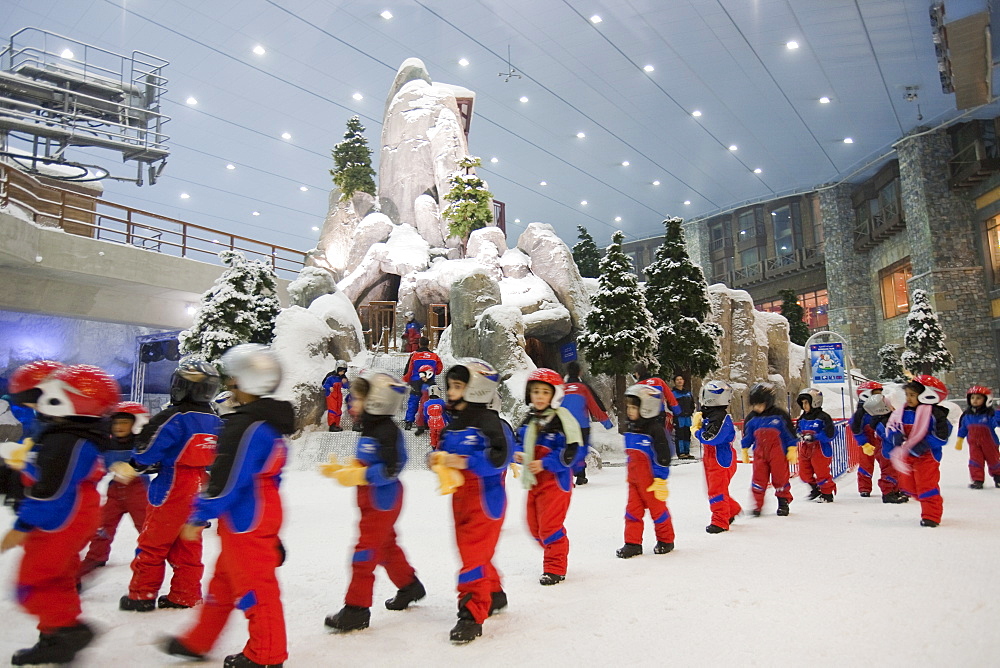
(334, 406)
(46, 579)
(159, 543)
(244, 578)
(639, 500)
(983, 452)
(376, 547)
(476, 535)
(769, 462)
(887, 482)
(814, 467)
(121, 499)
(547, 507)
(723, 506)
(435, 431)
(922, 482)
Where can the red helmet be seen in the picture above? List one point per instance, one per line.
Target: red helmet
(980, 389)
(549, 377)
(29, 376)
(934, 390)
(80, 390)
(426, 372)
(866, 389)
(136, 410)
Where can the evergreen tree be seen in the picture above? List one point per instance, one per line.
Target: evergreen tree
(890, 368)
(677, 297)
(353, 162)
(924, 339)
(470, 204)
(240, 307)
(585, 254)
(798, 331)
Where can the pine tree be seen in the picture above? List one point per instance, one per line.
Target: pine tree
(240, 307)
(924, 339)
(798, 331)
(353, 162)
(677, 297)
(890, 368)
(585, 254)
(470, 204)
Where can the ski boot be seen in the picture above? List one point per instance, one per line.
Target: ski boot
(550, 579)
(241, 661)
(755, 512)
(135, 604)
(996, 481)
(629, 550)
(420, 431)
(60, 646)
(350, 618)
(581, 478)
(715, 528)
(408, 426)
(165, 602)
(498, 601)
(782, 507)
(865, 494)
(815, 493)
(928, 523)
(406, 595)
(334, 428)
(174, 647)
(467, 629)
(893, 497)
(663, 548)
(976, 484)
(824, 498)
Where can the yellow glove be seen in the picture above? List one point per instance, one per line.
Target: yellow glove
(15, 455)
(869, 449)
(351, 475)
(123, 472)
(958, 444)
(515, 469)
(659, 489)
(746, 455)
(449, 479)
(331, 467)
(792, 455)
(696, 421)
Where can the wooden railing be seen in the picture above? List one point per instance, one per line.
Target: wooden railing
(758, 272)
(85, 215)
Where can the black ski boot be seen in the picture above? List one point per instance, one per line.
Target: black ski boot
(356, 427)
(815, 493)
(996, 481)
(824, 498)
(755, 512)
(60, 646)
(174, 647)
(894, 497)
(865, 494)
(165, 602)
(408, 426)
(406, 595)
(241, 661)
(928, 523)
(466, 630)
(420, 431)
(976, 484)
(663, 548)
(334, 428)
(136, 605)
(715, 528)
(782, 507)
(581, 478)
(629, 550)
(350, 618)
(498, 601)
(550, 579)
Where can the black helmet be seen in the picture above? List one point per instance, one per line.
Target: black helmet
(194, 380)
(762, 393)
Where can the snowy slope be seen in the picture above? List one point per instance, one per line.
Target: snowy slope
(855, 581)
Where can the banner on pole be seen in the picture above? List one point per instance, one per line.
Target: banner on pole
(827, 362)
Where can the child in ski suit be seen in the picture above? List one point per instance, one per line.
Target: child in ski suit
(435, 415)
(61, 508)
(335, 385)
(127, 420)
(771, 434)
(915, 434)
(863, 427)
(580, 400)
(419, 419)
(243, 494)
(714, 428)
(418, 359)
(381, 455)
(475, 445)
(815, 449)
(412, 332)
(877, 410)
(977, 424)
(648, 453)
(178, 443)
(547, 445)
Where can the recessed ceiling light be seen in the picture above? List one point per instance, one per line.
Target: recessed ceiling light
(774, 213)
(595, 19)
(649, 68)
(686, 202)
(259, 50)
(230, 166)
(543, 183)
(733, 147)
(185, 196)
(583, 202)
(315, 229)
(656, 183)
(303, 188)
(386, 14)
(524, 98)
(625, 163)
(824, 100)
(696, 113)
(517, 220)
(494, 160)
(67, 54)
(358, 96)
(286, 135)
(256, 213)
(618, 219)
(191, 100)
(580, 135)
(463, 62)
(791, 46)
(757, 170)
(848, 140)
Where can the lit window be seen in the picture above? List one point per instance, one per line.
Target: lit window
(892, 281)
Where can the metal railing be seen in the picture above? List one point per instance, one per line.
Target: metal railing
(758, 272)
(85, 215)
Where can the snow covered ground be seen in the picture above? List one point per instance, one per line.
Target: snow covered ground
(854, 582)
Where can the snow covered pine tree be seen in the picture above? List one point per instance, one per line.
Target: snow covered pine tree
(890, 368)
(353, 162)
(240, 307)
(470, 203)
(924, 339)
(586, 255)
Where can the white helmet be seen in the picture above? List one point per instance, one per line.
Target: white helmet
(878, 404)
(716, 393)
(224, 403)
(814, 396)
(426, 373)
(254, 367)
(385, 392)
(341, 364)
(434, 391)
(480, 379)
(650, 399)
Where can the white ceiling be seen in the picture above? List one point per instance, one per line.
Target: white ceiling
(725, 58)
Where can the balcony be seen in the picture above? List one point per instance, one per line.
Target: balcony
(774, 267)
(973, 164)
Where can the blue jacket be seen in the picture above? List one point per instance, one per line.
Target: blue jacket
(557, 456)
(979, 425)
(487, 441)
(817, 425)
(773, 425)
(718, 431)
(382, 450)
(647, 450)
(937, 433)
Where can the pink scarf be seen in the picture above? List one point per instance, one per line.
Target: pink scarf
(921, 423)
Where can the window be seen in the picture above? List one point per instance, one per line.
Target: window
(717, 236)
(892, 280)
(721, 269)
(814, 306)
(749, 256)
(784, 245)
(773, 306)
(748, 225)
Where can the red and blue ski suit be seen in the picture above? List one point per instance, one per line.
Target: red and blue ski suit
(334, 386)
(719, 459)
(648, 453)
(921, 452)
(59, 513)
(435, 417)
(864, 427)
(769, 434)
(412, 335)
(816, 432)
(549, 497)
(976, 426)
(418, 386)
(480, 503)
(243, 493)
(178, 443)
(581, 401)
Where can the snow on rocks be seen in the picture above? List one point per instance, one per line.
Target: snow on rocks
(311, 283)
(406, 251)
(375, 228)
(340, 226)
(552, 261)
